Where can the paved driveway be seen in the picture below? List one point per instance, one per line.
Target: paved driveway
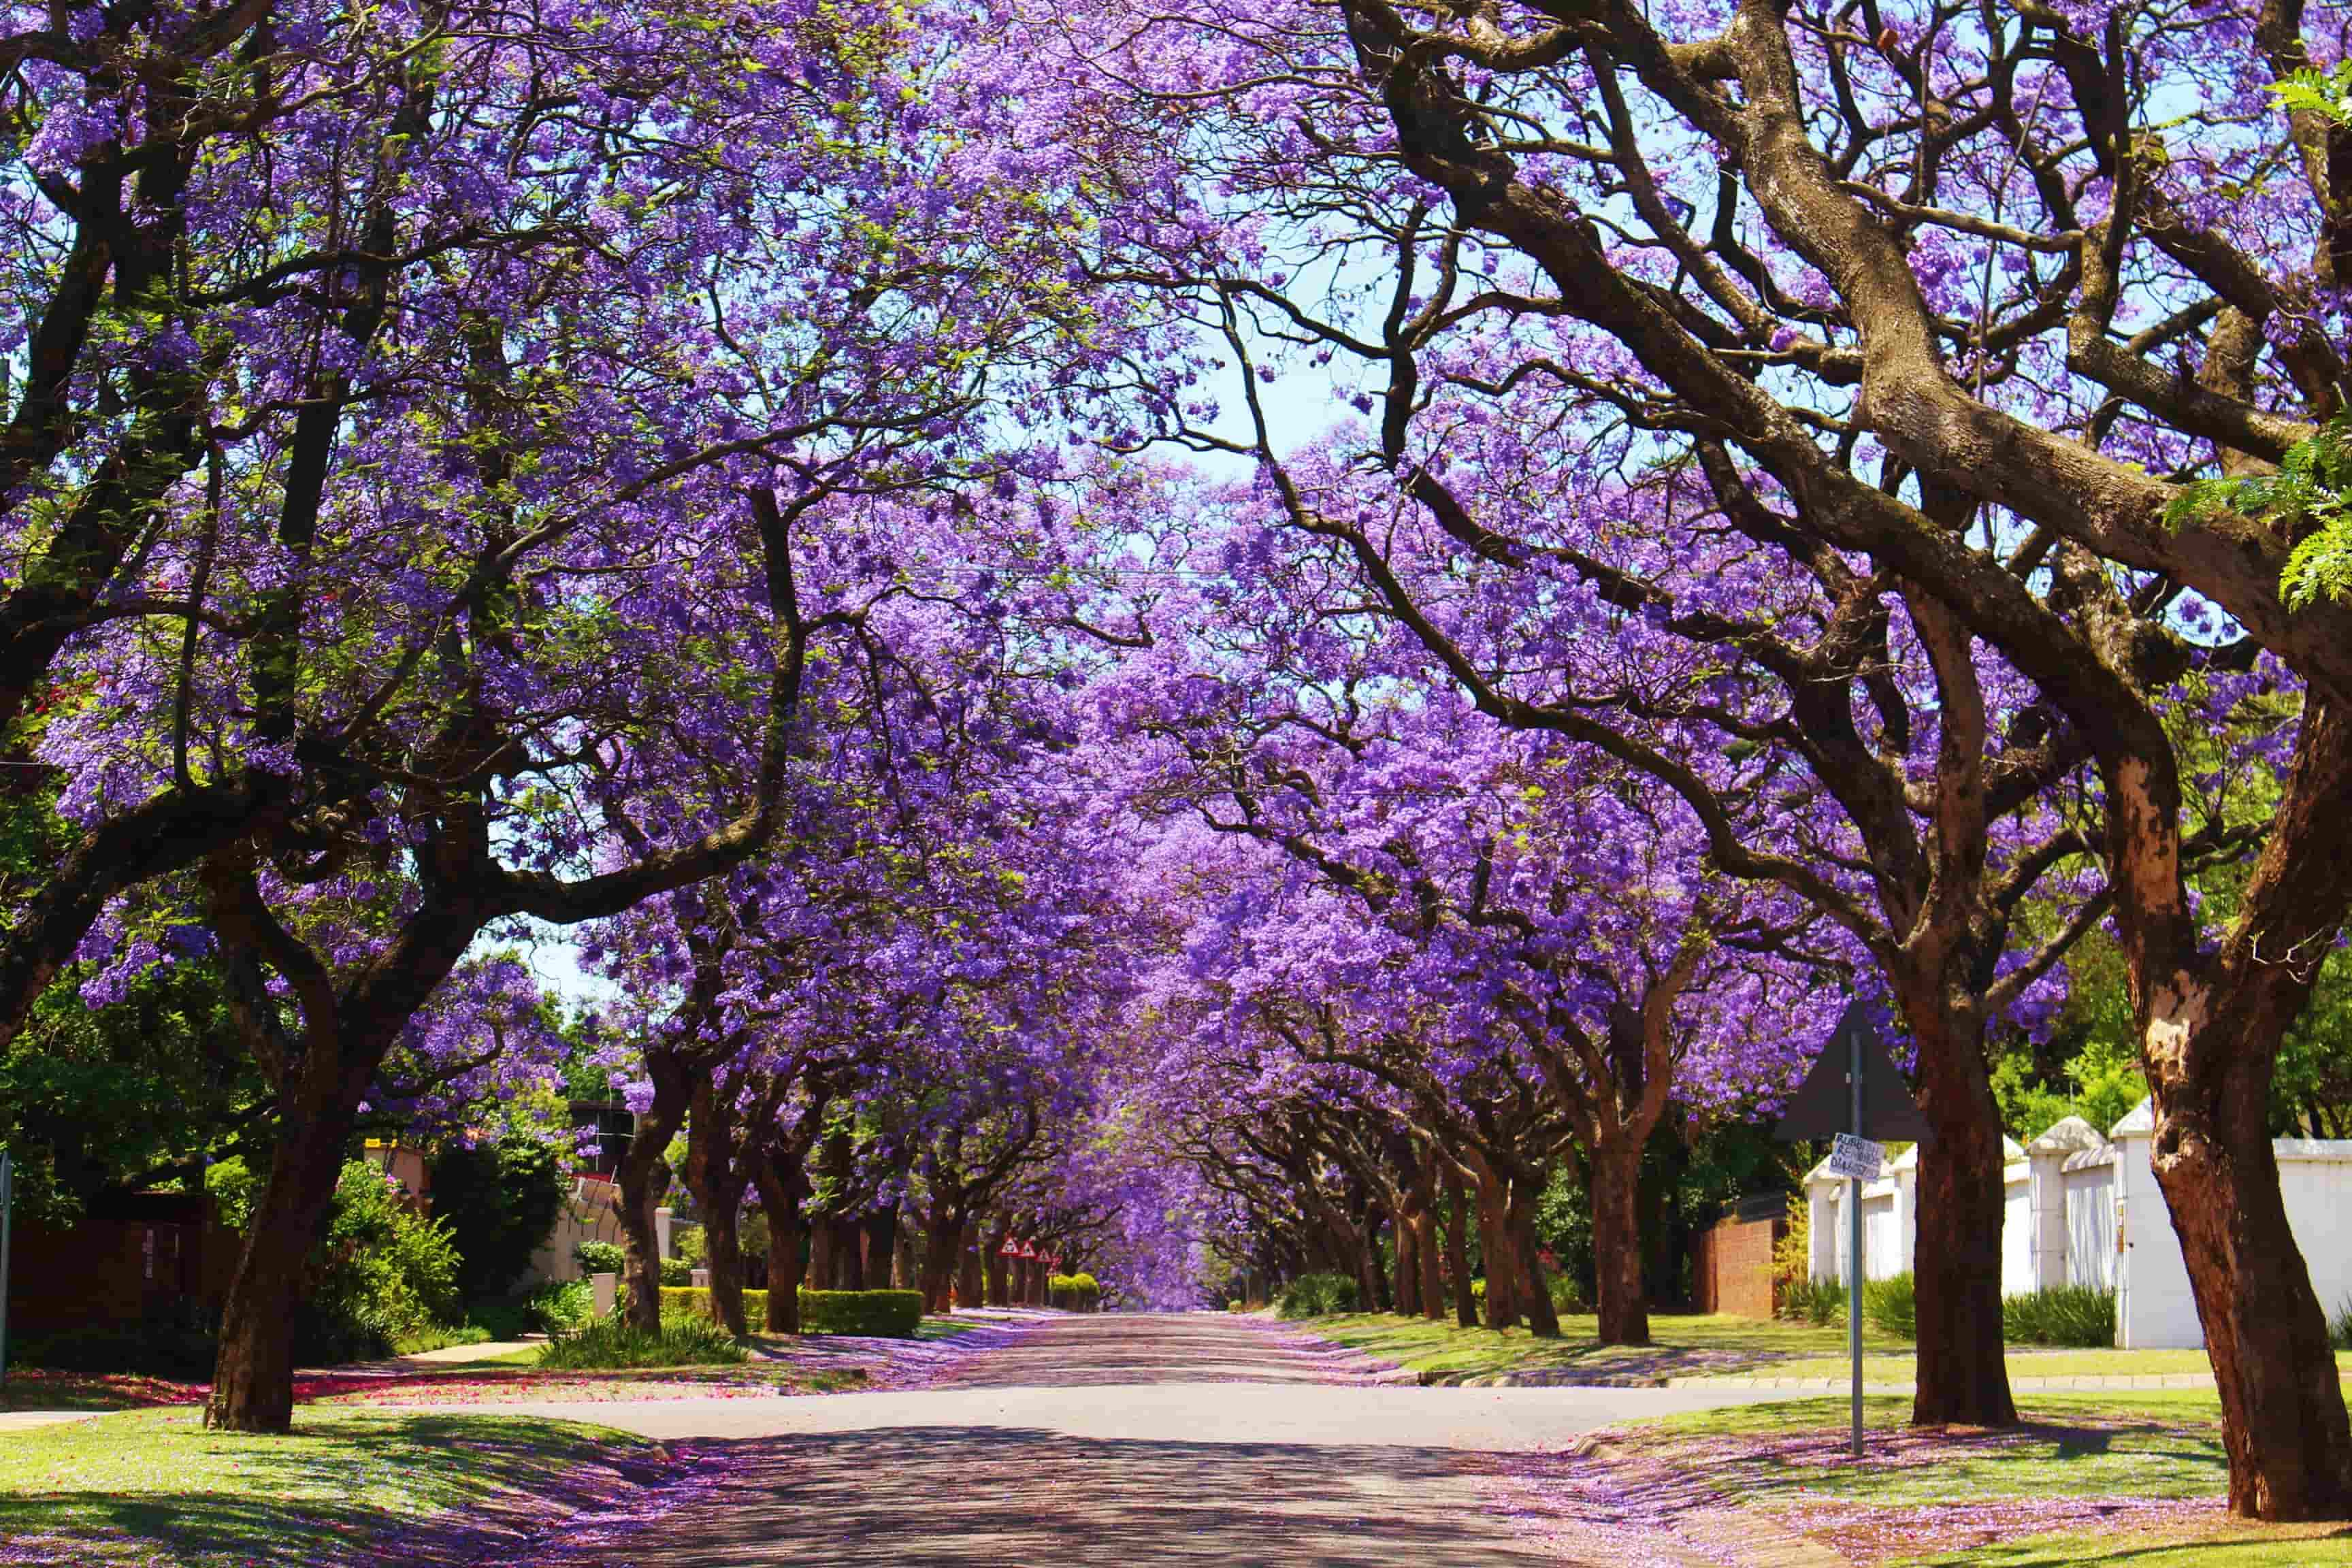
(1119, 1441)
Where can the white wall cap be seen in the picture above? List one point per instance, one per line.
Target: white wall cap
(2069, 1135)
(2139, 1123)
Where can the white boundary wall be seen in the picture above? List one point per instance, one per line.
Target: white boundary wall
(2083, 1209)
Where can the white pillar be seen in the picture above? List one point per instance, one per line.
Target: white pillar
(661, 1248)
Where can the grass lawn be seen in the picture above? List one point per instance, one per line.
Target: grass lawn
(2027, 1362)
(153, 1487)
(946, 1327)
(1686, 1345)
(39, 1388)
(2119, 1479)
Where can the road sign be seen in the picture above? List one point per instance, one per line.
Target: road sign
(1822, 1106)
(1857, 1158)
(1854, 1096)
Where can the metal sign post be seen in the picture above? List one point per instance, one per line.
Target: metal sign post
(1852, 1103)
(7, 1203)
(1853, 1242)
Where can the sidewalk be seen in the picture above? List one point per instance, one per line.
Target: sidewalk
(22, 1420)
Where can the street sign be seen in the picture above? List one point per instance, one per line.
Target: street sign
(1853, 1096)
(1822, 1106)
(1857, 1158)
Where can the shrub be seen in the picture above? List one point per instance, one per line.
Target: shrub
(695, 1299)
(498, 1201)
(676, 1271)
(1892, 1305)
(2339, 1327)
(1566, 1299)
(615, 1341)
(382, 1273)
(884, 1314)
(559, 1307)
(601, 1257)
(1317, 1295)
(1820, 1302)
(1793, 1258)
(1074, 1292)
(1236, 1306)
(2073, 1315)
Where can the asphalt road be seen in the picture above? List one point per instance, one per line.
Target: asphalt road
(1121, 1440)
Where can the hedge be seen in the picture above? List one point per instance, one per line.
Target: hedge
(887, 1314)
(697, 1299)
(884, 1314)
(1074, 1292)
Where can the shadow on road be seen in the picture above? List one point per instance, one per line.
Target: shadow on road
(945, 1497)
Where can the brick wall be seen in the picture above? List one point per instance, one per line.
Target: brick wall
(140, 1254)
(1735, 1267)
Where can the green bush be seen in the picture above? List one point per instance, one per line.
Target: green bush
(601, 1257)
(561, 1305)
(498, 1201)
(884, 1314)
(1317, 1295)
(676, 1271)
(1236, 1306)
(695, 1299)
(1566, 1299)
(1892, 1305)
(381, 1274)
(2066, 1315)
(1820, 1302)
(615, 1341)
(2339, 1327)
(1074, 1292)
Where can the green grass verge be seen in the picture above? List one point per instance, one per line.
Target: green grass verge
(2025, 1362)
(2228, 1546)
(1686, 1345)
(154, 1486)
(2159, 1443)
(2023, 1499)
(945, 1328)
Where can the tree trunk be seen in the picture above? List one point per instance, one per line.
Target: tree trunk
(881, 1236)
(905, 1270)
(1519, 1221)
(1616, 1175)
(1458, 1245)
(2210, 1025)
(2284, 1421)
(1433, 1277)
(1408, 1265)
(849, 1254)
(939, 1239)
(1956, 1269)
(787, 1233)
(970, 1289)
(722, 1236)
(1496, 1250)
(992, 1261)
(821, 1263)
(253, 1375)
(1374, 1276)
(642, 1178)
